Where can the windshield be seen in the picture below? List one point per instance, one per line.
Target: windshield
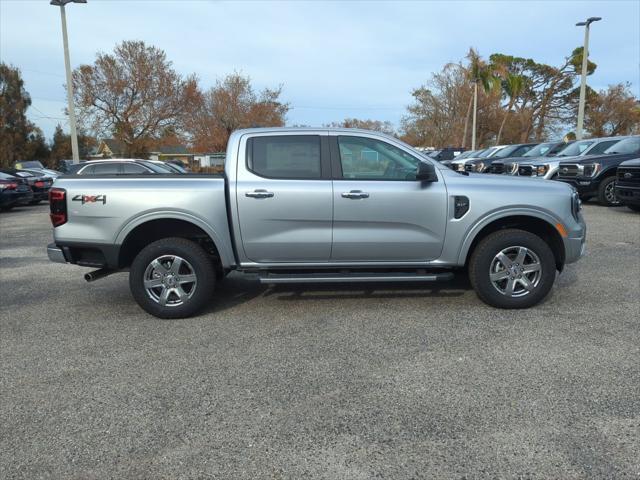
(506, 151)
(628, 145)
(539, 150)
(485, 153)
(575, 148)
(158, 168)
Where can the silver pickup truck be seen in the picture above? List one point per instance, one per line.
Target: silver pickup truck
(312, 206)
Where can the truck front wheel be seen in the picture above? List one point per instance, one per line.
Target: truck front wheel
(512, 269)
(172, 278)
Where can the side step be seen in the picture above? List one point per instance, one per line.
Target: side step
(353, 277)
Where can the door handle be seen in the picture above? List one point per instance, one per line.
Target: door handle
(259, 193)
(355, 194)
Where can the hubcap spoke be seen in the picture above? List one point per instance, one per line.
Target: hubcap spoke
(526, 283)
(175, 266)
(497, 276)
(506, 261)
(510, 284)
(164, 296)
(532, 267)
(153, 283)
(182, 295)
(159, 267)
(522, 253)
(187, 279)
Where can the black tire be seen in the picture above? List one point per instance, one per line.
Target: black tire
(635, 208)
(194, 258)
(483, 258)
(607, 186)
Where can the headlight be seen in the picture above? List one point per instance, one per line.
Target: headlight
(592, 169)
(541, 170)
(459, 167)
(479, 167)
(576, 204)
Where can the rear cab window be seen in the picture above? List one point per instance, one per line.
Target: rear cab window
(285, 157)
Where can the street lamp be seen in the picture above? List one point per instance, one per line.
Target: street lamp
(67, 65)
(583, 78)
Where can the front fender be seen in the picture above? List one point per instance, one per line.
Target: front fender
(494, 215)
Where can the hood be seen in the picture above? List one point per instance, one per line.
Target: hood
(606, 159)
(545, 160)
(631, 163)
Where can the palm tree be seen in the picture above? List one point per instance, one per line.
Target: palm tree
(479, 73)
(512, 85)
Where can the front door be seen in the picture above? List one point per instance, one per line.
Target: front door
(284, 197)
(381, 212)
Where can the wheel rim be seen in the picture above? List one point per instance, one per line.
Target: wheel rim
(515, 271)
(170, 280)
(610, 193)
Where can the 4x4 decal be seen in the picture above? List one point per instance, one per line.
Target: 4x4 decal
(90, 199)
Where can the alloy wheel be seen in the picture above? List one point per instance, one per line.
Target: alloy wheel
(170, 280)
(515, 271)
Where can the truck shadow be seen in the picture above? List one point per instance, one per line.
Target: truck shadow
(235, 290)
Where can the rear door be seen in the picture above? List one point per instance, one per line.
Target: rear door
(381, 212)
(284, 198)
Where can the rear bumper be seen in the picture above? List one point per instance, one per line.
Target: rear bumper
(628, 195)
(55, 253)
(11, 198)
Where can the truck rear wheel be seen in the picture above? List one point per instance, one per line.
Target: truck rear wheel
(172, 278)
(512, 269)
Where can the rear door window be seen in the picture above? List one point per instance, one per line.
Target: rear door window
(106, 169)
(285, 157)
(133, 169)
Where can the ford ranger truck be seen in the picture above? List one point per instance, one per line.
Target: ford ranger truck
(317, 206)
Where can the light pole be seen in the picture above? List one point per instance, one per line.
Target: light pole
(583, 77)
(67, 65)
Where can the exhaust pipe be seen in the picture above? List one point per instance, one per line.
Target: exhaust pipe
(98, 274)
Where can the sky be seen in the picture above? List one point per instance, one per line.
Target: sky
(334, 59)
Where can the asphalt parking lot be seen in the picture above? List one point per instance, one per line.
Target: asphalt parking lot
(320, 382)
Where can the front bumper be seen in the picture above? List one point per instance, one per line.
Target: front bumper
(585, 186)
(575, 241)
(628, 195)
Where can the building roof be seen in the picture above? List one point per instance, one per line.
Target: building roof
(171, 150)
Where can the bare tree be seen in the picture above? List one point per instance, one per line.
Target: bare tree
(232, 104)
(133, 95)
(614, 111)
(375, 125)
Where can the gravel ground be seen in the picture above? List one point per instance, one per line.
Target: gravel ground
(332, 382)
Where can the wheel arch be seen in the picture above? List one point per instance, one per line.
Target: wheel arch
(538, 223)
(146, 229)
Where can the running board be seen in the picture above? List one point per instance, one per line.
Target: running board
(275, 278)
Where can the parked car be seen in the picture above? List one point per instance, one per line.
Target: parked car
(628, 184)
(325, 205)
(595, 176)
(540, 152)
(463, 155)
(548, 168)
(14, 191)
(448, 153)
(28, 164)
(483, 165)
(67, 166)
(170, 167)
(38, 182)
(120, 166)
(459, 164)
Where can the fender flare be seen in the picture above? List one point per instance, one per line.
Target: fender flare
(226, 257)
(494, 215)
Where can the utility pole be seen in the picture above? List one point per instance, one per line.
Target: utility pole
(583, 76)
(475, 109)
(67, 66)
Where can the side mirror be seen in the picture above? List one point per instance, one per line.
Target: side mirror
(426, 172)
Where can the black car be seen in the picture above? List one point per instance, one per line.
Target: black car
(537, 153)
(628, 184)
(13, 191)
(39, 183)
(483, 165)
(448, 153)
(595, 176)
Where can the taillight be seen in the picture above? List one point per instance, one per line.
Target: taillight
(8, 185)
(58, 206)
(39, 184)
